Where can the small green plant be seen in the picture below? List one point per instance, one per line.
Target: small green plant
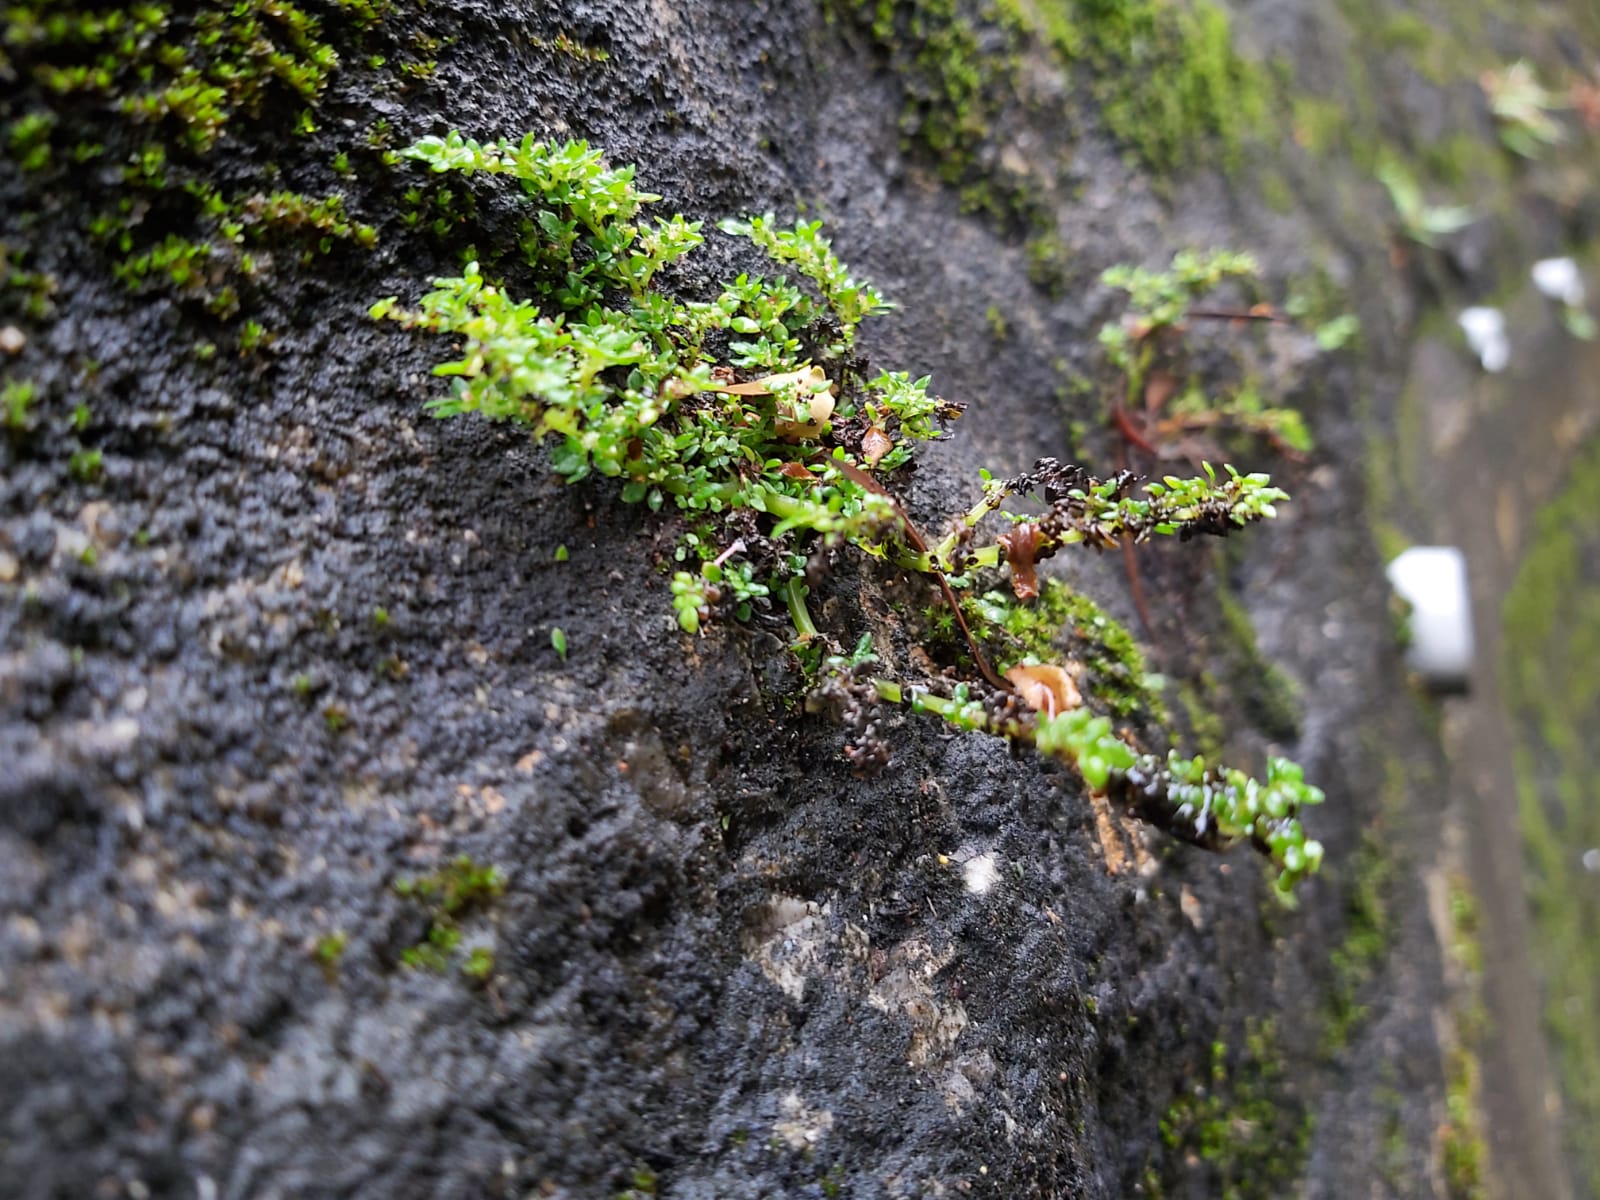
(1420, 221)
(751, 411)
(329, 950)
(85, 465)
(448, 896)
(1522, 108)
(29, 139)
(558, 642)
(16, 397)
(1145, 346)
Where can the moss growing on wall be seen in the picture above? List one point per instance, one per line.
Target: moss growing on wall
(1552, 641)
(1240, 1132)
(1163, 76)
(129, 104)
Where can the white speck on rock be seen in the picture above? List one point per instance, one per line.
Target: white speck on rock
(1558, 278)
(1486, 334)
(801, 1127)
(980, 874)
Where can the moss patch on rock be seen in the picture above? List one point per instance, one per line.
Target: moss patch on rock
(1552, 639)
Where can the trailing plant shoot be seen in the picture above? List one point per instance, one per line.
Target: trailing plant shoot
(751, 412)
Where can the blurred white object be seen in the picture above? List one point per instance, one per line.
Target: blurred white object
(1486, 334)
(1558, 279)
(1433, 580)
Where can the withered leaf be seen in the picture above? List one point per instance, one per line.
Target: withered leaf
(1045, 688)
(875, 443)
(1021, 545)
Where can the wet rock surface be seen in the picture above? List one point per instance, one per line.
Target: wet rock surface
(722, 966)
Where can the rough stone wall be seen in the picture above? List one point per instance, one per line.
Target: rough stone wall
(288, 641)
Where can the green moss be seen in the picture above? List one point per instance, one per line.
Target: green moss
(1170, 83)
(329, 950)
(1463, 1142)
(448, 896)
(1551, 674)
(1164, 75)
(157, 87)
(1269, 698)
(1205, 725)
(1369, 930)
(1062, 620)
(23, 292)
(1241, 1132)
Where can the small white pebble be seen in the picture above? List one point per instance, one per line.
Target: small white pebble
(1486, 334)
(980, 874)
(1591, 859)
(12, 340)
(1558, 278)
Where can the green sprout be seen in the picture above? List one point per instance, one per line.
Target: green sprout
(1522, 108)
(448, 896)
(1420, 221)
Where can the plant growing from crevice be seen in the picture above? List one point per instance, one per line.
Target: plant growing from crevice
(1420, 221)
(1522, 106)
(750, 411)
(1158, 399)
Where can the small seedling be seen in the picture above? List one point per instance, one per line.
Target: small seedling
(1420, 221)
(15, 398)
(1522, 107)
(558, 642)
(85, 465)
(330, 948)
(448, 895)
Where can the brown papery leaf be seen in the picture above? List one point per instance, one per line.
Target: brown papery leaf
(807, 378)
(1045, 688)
(1022, 551)
(875, 443)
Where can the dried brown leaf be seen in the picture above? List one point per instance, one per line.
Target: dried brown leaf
(875, 443)
(1045, 688)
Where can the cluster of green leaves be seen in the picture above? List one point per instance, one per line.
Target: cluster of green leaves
(695, 594)
(812, 254)
(1103, 514)
(621, 370)
(1159, 300)
(1145, 337)
(1420, 221)
(448, 895)
(1522, 108)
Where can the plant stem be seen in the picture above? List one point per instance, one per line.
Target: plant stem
(794, 595)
